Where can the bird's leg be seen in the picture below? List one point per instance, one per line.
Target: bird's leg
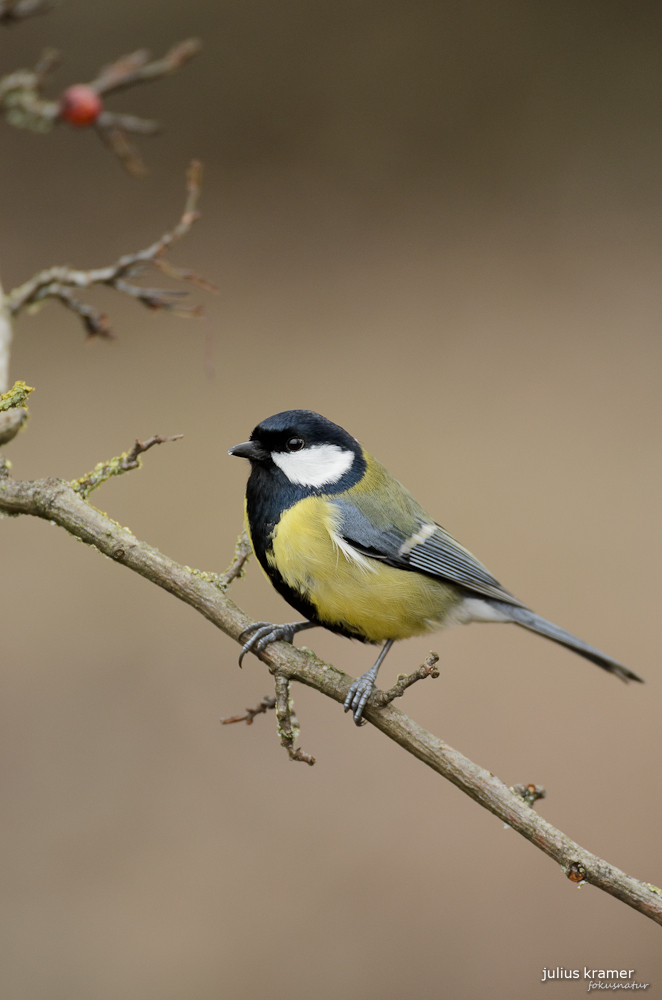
(361, 689)
(265, 632)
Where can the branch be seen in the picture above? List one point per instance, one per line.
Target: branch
(427, 669)
(125, 462)
(136, 67)
(56, 501)
(235, 571)
(288, 725)
(57, 282)
(81, 105)
(12, 11)
(250, 714)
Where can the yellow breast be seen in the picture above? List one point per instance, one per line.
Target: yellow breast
(348, 589)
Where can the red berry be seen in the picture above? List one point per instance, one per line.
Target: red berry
(80, 105)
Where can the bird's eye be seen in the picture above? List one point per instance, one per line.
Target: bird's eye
(295, 444)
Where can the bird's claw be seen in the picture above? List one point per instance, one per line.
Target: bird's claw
(357, 696)
(263, 634)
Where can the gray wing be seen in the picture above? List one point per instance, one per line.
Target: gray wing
(428, 549)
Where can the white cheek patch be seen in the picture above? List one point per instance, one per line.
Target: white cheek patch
(319, 465)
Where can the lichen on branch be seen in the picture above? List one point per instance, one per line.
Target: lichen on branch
(16, 396)
(117, 466)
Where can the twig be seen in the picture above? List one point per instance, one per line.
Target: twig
(288, 726)
(56, 501)
(125, 462)
(95, 323)
(56, 282)
(24, 106)
(12, 11)
(136, 67)
(427, 669)
(242, 552)
(117, 141)
(262, 709)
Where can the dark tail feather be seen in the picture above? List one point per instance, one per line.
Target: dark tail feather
(527, 619)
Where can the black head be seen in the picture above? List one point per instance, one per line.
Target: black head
(305, 450)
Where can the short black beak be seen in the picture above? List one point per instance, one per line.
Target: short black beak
(249, 449)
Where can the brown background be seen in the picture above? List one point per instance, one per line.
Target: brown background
(440, 224)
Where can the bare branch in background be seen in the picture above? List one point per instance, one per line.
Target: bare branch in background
(81, 105)
(56, 501)
(58, 282)
(136, 67)
(12, 11)
(117, 141)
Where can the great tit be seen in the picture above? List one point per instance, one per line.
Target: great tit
(347, 546)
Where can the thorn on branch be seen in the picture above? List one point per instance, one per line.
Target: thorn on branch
(427, 669)
(530, 793)
(125, 462)
(288, 726)
(262, 709)
(58, 282)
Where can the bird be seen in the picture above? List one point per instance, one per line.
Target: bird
(347, 546)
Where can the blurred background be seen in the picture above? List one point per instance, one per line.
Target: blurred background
(440, 225)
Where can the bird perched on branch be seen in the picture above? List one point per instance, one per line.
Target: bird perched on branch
(347, 546)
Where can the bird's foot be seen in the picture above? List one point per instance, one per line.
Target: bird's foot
(358, 694)
(265, 632)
